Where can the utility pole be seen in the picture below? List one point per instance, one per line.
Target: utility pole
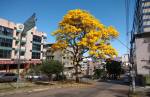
(19, 61)
(23, 28)
(132, 69)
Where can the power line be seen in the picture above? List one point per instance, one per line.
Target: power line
(127, 3)
(123, 43)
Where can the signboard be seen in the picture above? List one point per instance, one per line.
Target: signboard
(29, 23)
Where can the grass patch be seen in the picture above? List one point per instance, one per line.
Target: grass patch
(136, 94)
(6, 88)
(147, 79)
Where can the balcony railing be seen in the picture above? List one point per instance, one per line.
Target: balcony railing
(36, 51)
(22, 49)
(4, 36)
(36, 42)
(23, 39)
(6, 48)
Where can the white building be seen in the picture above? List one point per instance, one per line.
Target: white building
(125, 60)
(140, 38)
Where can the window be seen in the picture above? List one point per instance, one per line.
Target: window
(36, 47)
(5, 42)
(6, 31)
(36, 38)
(5, 53)
(50, 57)
(35, 55)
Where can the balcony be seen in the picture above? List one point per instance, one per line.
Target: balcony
(44, 50)
(68, 65)
(44, 42)
(23, 39)
(44, 35)
(22, 57)
(23, 48)
(17, 38)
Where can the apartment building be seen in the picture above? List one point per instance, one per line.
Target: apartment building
(31, 44)
(63, 56)
(88, 65)
(140, 38)
(125, 61)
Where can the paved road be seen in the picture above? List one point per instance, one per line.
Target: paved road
(101, 89)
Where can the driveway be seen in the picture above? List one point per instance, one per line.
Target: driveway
(101, 89)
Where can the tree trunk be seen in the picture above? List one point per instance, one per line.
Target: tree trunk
(50, 77)
(76, 73)
(77, 77)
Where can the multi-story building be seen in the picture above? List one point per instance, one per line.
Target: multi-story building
(140, 38)
(30, 46)
(125, 60)
(64, 57)
(88, 65)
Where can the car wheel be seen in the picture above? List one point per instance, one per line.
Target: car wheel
(14, 80)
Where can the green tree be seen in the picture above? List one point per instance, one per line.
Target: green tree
(113, 68)
(34, 69)
(99, 73)
(50, 67)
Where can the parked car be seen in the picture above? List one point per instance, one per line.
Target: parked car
(126, 78)
(8, 77)
(36, 77)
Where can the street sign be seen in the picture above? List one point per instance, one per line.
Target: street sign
(29, 23)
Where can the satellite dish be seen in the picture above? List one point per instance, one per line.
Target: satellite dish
(19, 27)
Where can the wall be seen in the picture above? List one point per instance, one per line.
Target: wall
(142, 55)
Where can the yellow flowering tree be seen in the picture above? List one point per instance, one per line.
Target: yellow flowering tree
(82, 32)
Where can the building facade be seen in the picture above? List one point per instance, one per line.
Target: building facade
(64, 57)
(125, 62)
(88, 65)
(140, 38)
(31, 46)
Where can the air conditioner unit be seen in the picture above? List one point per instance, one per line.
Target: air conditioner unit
(19, 27)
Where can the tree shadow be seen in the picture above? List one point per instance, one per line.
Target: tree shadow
(148, 94)
(119, 96)
(123, 93)
(120, 82)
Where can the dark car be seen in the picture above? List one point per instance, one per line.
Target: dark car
(37, 77)
(8, 77)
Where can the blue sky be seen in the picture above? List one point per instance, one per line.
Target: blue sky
(50, 12)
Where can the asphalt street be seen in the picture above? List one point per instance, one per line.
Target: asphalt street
(101, 89)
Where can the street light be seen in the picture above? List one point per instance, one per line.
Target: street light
(23, 28)
(20, 28)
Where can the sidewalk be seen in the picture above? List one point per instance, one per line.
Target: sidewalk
(30, 87)
(144, 90)
(141, 92)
